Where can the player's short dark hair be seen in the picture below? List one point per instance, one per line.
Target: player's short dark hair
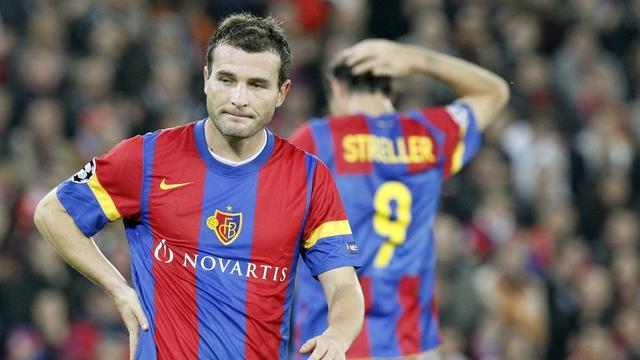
(367, 82)
(253, 34)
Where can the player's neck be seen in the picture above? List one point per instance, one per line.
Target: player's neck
(370, 104)
(232, 148)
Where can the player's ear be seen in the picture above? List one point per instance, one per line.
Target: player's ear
(391, 98)
(282, 93)
(337, 88)
(337, 96)
(205, 74)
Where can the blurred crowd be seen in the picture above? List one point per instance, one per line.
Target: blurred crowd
(538, 238)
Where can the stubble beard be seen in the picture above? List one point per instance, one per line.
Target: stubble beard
(235, 130)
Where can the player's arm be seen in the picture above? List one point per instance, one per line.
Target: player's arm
(485, 92)
(106, 189)
(331, 253)
(80, 251)
(346, 314)
(303, 138)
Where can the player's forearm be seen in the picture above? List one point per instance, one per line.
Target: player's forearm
(466, 78)
(346, 314)
(486, 92)
(79, 251)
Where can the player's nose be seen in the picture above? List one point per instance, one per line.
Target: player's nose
(239, 96)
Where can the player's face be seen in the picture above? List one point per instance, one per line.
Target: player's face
(242, 90)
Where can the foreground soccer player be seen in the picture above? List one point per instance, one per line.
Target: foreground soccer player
(216, 213)
(389, 167)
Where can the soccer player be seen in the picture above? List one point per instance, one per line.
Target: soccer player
(216, 213)
(389, 167)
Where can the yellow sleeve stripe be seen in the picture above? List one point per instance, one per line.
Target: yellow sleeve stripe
(328, 229)
(105, 201)
(458, 153)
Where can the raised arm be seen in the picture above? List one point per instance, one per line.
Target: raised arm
(81, 252)
(346, 315)
(485, 92)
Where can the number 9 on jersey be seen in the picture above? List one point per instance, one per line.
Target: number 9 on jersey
(394, 228)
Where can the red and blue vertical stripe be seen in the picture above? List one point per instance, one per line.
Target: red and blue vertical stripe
(207, 298)
(400, 310)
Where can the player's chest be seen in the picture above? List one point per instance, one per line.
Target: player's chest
(227, 212)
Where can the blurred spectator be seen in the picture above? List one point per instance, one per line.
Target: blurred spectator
(51, 318)
(595, 295)
(595, 342)
(572, 256)
(539, 164)
(460, 306)
(626, 274)
(515, 300)
(6, 109)
(627, 327)
(38, 147)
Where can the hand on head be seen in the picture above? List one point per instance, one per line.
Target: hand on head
(380, 57)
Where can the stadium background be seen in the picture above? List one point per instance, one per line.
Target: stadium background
(538, 238)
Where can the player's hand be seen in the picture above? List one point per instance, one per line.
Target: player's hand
(323, 347)
(382, 58)
(128, 304)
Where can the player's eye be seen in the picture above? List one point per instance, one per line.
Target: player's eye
(225, 80)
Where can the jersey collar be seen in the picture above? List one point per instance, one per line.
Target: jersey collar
(226, 169)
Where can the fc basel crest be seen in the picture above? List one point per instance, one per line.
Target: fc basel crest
(227, 226)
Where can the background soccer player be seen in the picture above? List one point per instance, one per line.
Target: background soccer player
(389, 167)
(216, 213)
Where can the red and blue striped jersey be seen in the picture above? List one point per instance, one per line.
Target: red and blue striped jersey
(214, 247)
(389, 170)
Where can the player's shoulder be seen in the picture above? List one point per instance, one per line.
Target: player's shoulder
(292, 155)
(333, 120)
(177, 138)
(346, 120)
(457, 111)
(174, 132)
(285, 148)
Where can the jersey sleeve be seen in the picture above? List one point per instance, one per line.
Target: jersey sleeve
(327, 240)
(302, 137)
(461, 134)
(106, 189)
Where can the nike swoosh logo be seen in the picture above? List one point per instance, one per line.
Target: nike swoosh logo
(165, 186)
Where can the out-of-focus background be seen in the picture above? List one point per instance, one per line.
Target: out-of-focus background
(538, 238)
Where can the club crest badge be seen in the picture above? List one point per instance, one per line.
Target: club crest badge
(225, 225)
